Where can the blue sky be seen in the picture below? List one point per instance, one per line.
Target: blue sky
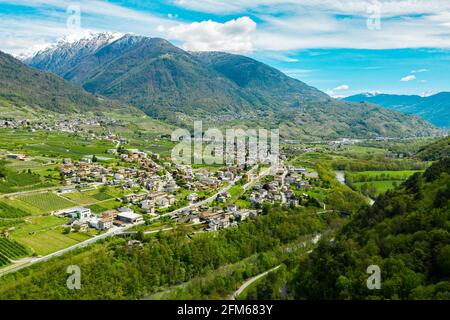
(342, 47)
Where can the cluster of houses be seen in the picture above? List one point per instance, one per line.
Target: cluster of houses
(158, 183)
(73, 124)
(216, 218)
(82, 218)
(342, 144)
(281, 188)
(145, 174)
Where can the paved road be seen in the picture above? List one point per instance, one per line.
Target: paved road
(247, 283)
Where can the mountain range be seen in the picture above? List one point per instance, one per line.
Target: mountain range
(22, 86)
(178, 87)
(434, 108)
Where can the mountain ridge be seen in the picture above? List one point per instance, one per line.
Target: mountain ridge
(434, 108)
(173, 85)
(24, 86)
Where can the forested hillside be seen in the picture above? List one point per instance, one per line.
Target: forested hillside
(22, 86)
(406, 233)
(435, 151)
(115, 270)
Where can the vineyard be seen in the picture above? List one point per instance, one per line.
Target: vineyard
(10, 250)
(46, 202)
(7, 211)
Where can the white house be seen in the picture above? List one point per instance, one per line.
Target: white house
(79, 213)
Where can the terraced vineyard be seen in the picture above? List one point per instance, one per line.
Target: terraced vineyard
(10, 250)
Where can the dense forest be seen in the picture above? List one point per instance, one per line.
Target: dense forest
(435, 151)
(406, 233)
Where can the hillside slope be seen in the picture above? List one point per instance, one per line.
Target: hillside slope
(221, 89)
(435, 151)
(435, 108)
(405, 233)
(21, 85)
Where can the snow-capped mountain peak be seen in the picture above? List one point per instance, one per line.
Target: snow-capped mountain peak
(75, 41)
(89, 36)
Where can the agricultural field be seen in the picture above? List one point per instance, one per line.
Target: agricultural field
(373, 183)
(46, 202)
(104, 206)
(11, 250)
(9, 212)
(22, 181)
(17, 176)
(52, 145)
(48, 241)
(366, 150)
(44, 234)
(89, 197)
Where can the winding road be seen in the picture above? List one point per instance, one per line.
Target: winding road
(247, 283)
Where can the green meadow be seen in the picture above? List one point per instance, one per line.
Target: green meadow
(373, 183)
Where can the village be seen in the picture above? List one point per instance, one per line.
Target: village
(70, 125)
(153, 190)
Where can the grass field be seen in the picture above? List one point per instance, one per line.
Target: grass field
(38, 224)
(86, 198)
(44, 234)
(381, 175)
(375, 183)
(380, 186)
(52, 240)
(104, 206)
(46, 202)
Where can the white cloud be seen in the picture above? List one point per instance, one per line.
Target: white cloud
(294, 24)
(389, 7)
(419, 70)
(337, 92)
(408, 78)
(283, 25)
(232, 36)
(342, 87)
(428, 93)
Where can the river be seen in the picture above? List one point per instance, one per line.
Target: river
(340, 176)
